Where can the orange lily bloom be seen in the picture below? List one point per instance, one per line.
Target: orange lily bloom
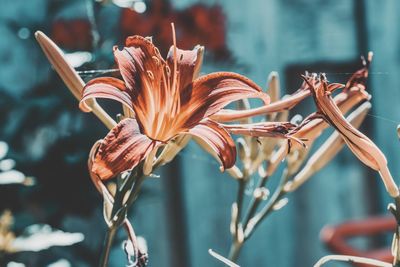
(362, 147)
(165, 101)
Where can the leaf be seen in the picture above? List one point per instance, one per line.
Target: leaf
(39, 237)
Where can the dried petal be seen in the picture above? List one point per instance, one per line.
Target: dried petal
(327, 151)
(359, 144)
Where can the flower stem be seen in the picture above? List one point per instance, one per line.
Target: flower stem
(234, 251)
(239, 200)
(254, 202)
(268, 208)
(107, 246)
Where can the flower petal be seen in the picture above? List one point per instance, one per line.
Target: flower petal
(105, 87)
(143, 69)
(122, 149)
(210, 93)
(188, 63)
(216, 140)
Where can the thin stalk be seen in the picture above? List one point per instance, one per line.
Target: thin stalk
(135, 190)
(234, 251)
(238, 241)
(108, 241)
(239, 201)
(254, 202)
(119, 210)
(268, 208)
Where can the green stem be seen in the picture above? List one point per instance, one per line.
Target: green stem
(135, 190)
(108, 241)
(239, 201)
(235, 251)
(119, 210)
(268, 208)
(254, 202)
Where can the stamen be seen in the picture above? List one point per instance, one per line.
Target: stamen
(175, 59)
(181, 57)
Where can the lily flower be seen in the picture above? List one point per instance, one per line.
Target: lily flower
(362, 147)
(166, 102)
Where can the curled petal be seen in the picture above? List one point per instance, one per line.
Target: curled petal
(210, 93)
(359, 78)
(122, 149)
(362, 147)
(138, 57)
(142, 69)
(328, 150)
(188, 63)
(106, 87)
(314, 124)
(216, 140)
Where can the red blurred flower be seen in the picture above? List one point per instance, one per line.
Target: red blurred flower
(72, 34)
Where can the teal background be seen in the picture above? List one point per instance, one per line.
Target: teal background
(187, 210)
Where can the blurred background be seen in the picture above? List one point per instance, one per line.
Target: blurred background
(187, 211)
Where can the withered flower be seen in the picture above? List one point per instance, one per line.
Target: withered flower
(365, 150)
(165, 103)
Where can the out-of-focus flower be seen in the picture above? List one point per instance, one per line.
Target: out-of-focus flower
(34, 238)
(196, 24)
(72, 34)
(166, 103)
(7, 174)
(359, 144)
(39, 237)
